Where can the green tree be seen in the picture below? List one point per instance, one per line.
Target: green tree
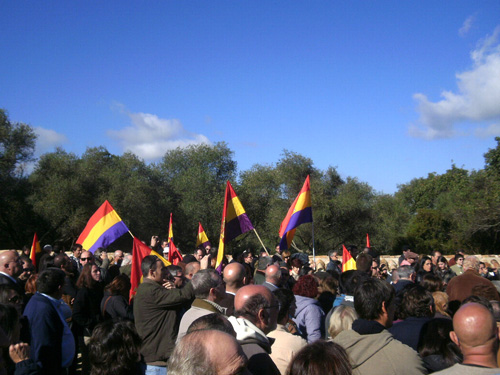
(17, 144)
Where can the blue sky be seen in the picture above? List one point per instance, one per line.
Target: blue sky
(385, 91)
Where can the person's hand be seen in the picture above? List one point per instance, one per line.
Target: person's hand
(19, 352)
(204, 262)
(169, 285)
(154, 241)
(104, 255)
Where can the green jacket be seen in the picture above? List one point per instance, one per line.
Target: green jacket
(156, 318)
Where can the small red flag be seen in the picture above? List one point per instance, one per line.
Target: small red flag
(367, 240)
(35, 249)
(174, 256)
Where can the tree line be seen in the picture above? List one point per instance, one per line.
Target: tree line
(456, 210)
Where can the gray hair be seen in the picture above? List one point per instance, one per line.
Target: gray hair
(471, 263)
(405, 272)
(190, 356)
(331, 252)
(203, 281)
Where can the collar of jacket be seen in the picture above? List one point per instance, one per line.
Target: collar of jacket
(209, 305)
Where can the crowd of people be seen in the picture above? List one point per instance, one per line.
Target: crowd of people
(262, 314)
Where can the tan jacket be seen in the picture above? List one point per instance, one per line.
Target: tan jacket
(284, 347)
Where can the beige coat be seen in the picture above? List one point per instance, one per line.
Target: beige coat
(284, 347)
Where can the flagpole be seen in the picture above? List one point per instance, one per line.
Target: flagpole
(261, 241)
(131, 234)
(314, 251)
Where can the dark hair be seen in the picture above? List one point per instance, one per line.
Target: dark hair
(364, 263)
(214, 321)
(305, 271)
(369, 296)
(76, 246)
(296, 262)
(431, 282)
(349, 280)
(319, 358)
(149, 264)
(435, 339)
(285, 299)
(480, 300)
(172, 269)
(5, 290)
(252, 306)
(85, 279)
(50, 280)
(433, 252)
(9, 321)
(114, 348)
(420, 265)
(458, 255)
(443, 260)
(46, 262)
(119, 286)
(306, 286)
(417, 302)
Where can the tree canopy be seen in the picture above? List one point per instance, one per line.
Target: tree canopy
(458, 209)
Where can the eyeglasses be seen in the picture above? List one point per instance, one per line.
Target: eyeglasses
(85, 259)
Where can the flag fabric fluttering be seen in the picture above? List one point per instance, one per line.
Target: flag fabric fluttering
(103, 228)
(35, 249)
(348, 262)
(174, 256)
(300, 212)
(202, 238)
(139, 251)
(235, 221)
(367, 240)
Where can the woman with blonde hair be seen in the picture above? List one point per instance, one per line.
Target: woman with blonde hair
(341, 320)
(441, 304)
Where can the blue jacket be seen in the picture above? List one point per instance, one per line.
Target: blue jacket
(46, 334)
(310, 318)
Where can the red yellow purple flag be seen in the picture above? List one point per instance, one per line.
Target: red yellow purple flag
(103, 228)
(235, 221)
(139, 251)
(300, 212)
(35, 249)
(202, 238)
(174, 256)
(348, 262)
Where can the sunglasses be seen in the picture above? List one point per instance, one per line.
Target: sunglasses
(82, 259)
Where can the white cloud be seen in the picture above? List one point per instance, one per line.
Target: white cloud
(466, 26)
(150, 137)
(47, 140)
(477, 99)
(492, 130)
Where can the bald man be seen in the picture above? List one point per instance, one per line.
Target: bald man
(191, 269)
(255, 315)
(208, 352)
(273, 277)
(11, 267)
(234, 277)
(476, 334)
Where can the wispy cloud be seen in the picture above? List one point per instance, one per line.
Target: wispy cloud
(149, 136)
(466, 26)
(47, 140)
(477, 99)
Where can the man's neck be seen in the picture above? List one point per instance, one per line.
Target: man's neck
(486, 360)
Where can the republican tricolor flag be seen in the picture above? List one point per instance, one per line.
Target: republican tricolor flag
(103, 228)
(348, 262)
(174, 256)
(202, 238)
(299, 213)
(235, 221)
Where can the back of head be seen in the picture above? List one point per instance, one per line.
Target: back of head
(234, 274)
(212, 321)
(349, 281)
(306, 286)
(311, 360)
(471, 263)
(475, 329)
(285, 299)
(417, 302)
(114, 348)
(341, 320)
(435, 340)
(364, 263)
(148, 264)
(206, 352)
(203, 281)
(405, 272)
(369, 297)
(431, 282)
(49, 281)
(273, 274)
(9, 322)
